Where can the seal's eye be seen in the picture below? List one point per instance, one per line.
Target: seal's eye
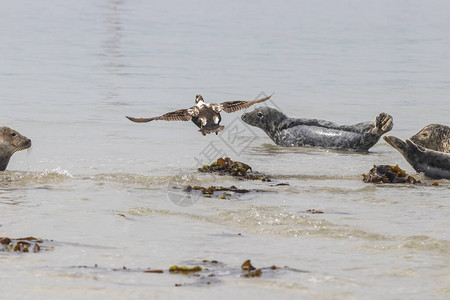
(424, 134)
(259, 115)
(13, 134)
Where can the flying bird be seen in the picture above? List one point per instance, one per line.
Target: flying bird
(205, 115)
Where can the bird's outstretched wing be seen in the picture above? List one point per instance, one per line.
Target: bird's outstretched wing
(178, 115)
(232, 106)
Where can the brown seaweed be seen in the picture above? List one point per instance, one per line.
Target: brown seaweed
(226, 166)
(256, 273)
(218, 191)
(23, 245)
(210, 261)
(247, 266)
(313, 211)
(249, 270)
(154, 271)
(388, 174)
(5, 241)
(184, 269)
(205, 271)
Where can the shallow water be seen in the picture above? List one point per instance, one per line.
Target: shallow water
(98, 189)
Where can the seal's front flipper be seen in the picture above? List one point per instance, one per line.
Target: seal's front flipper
(383, 123)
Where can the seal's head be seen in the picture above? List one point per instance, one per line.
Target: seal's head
(434, 136)
(435, 164)
(11, 141)
(397, 143)
(410, 151)
(266, 118)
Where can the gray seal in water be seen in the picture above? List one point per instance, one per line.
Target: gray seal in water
(10, 142)
(434, 136)
(292, 132)
(434, 164)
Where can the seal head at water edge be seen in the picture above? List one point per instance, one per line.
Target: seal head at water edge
(434, 136)
(293, 132)
(11, 141)
(433, 164)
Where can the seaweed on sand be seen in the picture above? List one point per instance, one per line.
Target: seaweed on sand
(218, 191)
(226, 166)
(388, 174)
(184, 269)
(249, 270)
(202, 272)
(27, 244)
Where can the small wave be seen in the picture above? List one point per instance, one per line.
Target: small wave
(272, 221)
(422, 242)
(179, 180)
(131, 179)
(419, 243)
(55, 176)
(317, 177)
(275, 221)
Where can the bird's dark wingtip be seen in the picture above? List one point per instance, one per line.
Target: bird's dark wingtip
(134, 119)
(268, 97)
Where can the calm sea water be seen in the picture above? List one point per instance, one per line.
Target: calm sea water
(99, 189)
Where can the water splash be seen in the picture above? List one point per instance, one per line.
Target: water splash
(22, 179)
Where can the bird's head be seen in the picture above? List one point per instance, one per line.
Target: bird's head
(198, 98)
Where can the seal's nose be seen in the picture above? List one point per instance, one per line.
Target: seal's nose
(29, 142)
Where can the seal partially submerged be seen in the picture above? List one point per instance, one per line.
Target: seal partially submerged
(10, 142)
(434, 136)
(434, 164)
(205, 115)
(291, 132)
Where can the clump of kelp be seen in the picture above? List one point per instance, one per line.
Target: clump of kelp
(388, 174)
(212, 269)
(249, 270)
(203, 272)
(314, 211)
(218, 191)
(184, 270)
(226, 166)
(27, 244)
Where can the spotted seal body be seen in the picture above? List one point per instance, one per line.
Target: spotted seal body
(10, 142)
(434, 136)
(291, 132)
(434, 164)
